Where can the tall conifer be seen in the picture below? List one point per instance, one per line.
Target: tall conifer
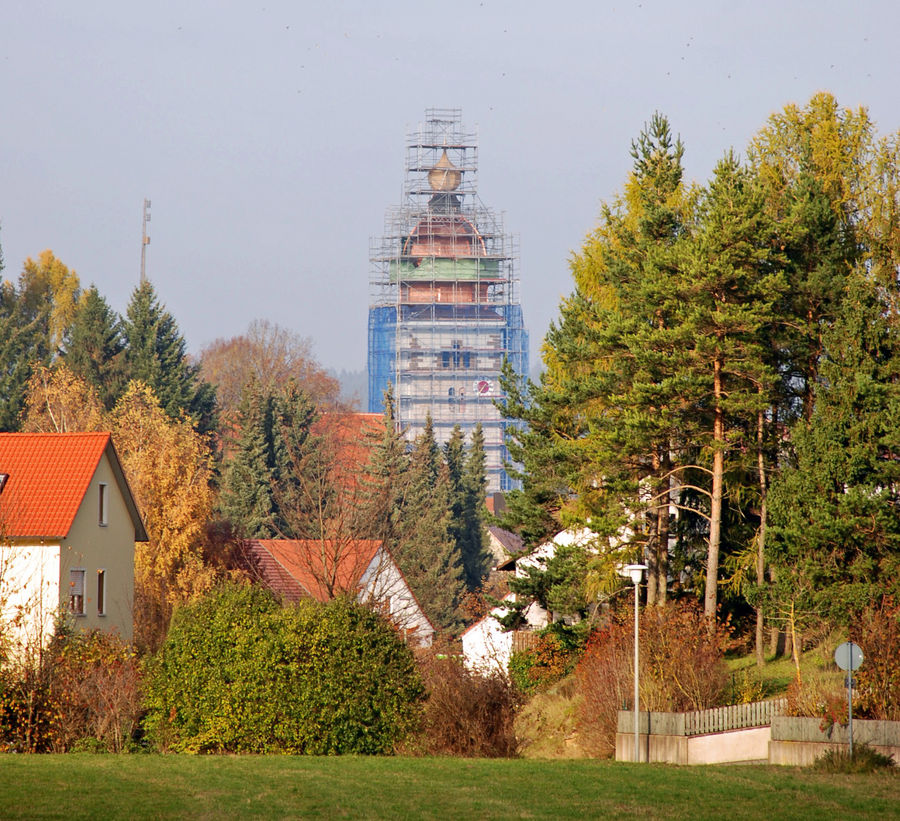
(94, 347)
(156, 355)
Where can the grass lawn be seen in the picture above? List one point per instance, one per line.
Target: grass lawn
(154, 786)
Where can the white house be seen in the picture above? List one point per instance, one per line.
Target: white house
(68, 524)
(486, 645)
(323, 568)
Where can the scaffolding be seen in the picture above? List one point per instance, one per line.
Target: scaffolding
(444, 301)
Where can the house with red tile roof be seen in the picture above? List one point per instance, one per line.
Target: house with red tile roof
(322, 569)
(68, 524)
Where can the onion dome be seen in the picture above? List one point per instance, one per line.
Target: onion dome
(444, 176)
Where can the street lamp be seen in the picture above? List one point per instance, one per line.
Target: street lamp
(636, 573)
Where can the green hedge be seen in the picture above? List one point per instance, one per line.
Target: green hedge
(240, 673)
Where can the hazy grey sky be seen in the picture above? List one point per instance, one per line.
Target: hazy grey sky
(270, 136)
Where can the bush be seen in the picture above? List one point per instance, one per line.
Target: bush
(554, 655)
(239, 673)
(96, 693)
(83, 691)
(467, 713)
(682, 669)
(878, 679)
(864, 760)
(818, 696)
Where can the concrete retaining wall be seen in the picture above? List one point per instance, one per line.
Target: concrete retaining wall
(800, 741)
(749, 745)
(788, 740)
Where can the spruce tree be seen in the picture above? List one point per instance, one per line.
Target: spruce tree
(425, 548)
(156, 355)
(246, 498)
(307, 504)
(383, 494)
(24, 346)
(473, 541)
(94, 347)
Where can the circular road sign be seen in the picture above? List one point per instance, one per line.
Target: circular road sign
(848, 656)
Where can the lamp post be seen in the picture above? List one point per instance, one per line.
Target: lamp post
(636, 573)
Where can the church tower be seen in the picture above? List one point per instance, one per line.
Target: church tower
(444, 310)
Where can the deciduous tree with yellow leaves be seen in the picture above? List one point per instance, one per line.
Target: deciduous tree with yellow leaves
(168, 466)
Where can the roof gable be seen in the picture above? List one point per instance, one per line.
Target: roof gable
(49, 475)
(312, 563)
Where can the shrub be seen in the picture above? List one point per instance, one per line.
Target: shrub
(552, 657)
(95, 693)
(83, 691)
(26, 712)
(878, 679)
(818, 696)
(467, 713)
(239, 673)
(682, 668)
(864, 760)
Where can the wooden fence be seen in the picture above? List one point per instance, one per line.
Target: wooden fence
(735, 717)
(523, 640)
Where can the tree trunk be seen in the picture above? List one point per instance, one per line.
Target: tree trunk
(761, 538)
(795, 644)
(652, 529)
(662, 534)
(715, 512)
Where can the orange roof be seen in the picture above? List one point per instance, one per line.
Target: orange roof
(313, 563)
(49, 474)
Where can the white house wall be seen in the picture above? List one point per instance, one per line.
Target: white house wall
(29, 593)
(487, 648)
(384, 584)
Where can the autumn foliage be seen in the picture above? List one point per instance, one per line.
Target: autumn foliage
(878, 679)
(82, 693)
(168, 466)
(682, 669)
(467, 713)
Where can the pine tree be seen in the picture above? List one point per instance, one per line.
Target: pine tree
(155, 354)
(835, 543)
(94, 347)
(729, 292)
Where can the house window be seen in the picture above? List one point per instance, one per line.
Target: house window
(101, 592)
(103, 505)
(76, 592)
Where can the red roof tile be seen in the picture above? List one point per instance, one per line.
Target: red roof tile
(49, 474)
(310, 562)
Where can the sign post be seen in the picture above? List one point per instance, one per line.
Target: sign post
(849, 657)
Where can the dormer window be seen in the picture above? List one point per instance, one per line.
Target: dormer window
(103, 505)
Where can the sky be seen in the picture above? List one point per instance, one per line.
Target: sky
(270, 136)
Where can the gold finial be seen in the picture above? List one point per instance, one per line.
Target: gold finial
(444, 176)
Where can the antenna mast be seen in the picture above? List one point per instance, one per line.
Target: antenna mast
(145, 241)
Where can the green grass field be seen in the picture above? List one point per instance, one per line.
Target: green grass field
(154, 786)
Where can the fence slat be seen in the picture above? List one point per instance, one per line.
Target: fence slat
(735, 717)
